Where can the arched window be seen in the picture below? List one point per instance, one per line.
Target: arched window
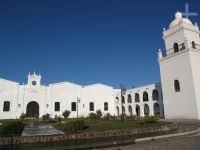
(129, 98)
(155, 95)
(117, 100)
(156, 109)
(176, 86)
(146, 109)
(176, 48)
(193, 45)
(123, 100)
(137, 97)
(130, 110)
(137, 110)
(145, 97)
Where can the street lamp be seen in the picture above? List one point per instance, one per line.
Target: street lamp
(123, 92)
(77, 101)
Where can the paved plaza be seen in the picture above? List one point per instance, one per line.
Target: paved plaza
(188, 141)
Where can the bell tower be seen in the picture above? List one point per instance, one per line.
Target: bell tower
(179, 69)
(34, 80)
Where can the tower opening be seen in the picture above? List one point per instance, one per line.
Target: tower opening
(176, 48)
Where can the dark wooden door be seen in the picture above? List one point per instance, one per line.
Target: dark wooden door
(32, 109)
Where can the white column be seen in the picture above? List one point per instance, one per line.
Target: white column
(142, 110)
(151, 111)
(134, 110)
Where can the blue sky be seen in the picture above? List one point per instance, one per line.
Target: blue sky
(85, 41)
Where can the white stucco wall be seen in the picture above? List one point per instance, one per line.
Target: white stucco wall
(65, 93)
(9, 91)
(172, 68)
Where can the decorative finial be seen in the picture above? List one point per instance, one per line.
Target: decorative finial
(160, 55)
(164, 29)
(178, 15)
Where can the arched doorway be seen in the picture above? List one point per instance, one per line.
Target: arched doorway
(156, 109)
(32, 109)
(146, 109)
(123, 110)
(117, 109)
(130, 110)
(137, 110)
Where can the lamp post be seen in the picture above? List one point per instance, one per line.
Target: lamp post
(77, 101)
(123, 91)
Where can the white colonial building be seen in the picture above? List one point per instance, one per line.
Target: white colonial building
(177, 96)
(36, 100)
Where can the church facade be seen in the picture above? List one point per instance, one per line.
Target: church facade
(176, 97)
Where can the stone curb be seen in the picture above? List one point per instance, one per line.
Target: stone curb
(147, 139)
(82, 136)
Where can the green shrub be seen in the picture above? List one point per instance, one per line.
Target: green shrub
(148, 119)
(107, 116)
(96, 115)
(66, 113)
(73, 126)
(46, 117)
(92, 116)
(11, 127)
(99, 114)
(151, 119)
(58, 118)
(22, 116)
(131, 117)
(123, 117)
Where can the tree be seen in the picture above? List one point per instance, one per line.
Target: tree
(66, 113)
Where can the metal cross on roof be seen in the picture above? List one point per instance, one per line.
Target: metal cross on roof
(187, 13)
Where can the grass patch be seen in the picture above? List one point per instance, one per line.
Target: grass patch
(102, 125)
(90, 125)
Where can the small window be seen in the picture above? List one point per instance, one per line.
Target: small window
(34, 82)
(105, 106)
(91, 106)
(176, 48)
(6, 106)
(193, 45)
(57, 106)
(73, 108)
(176, 86)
